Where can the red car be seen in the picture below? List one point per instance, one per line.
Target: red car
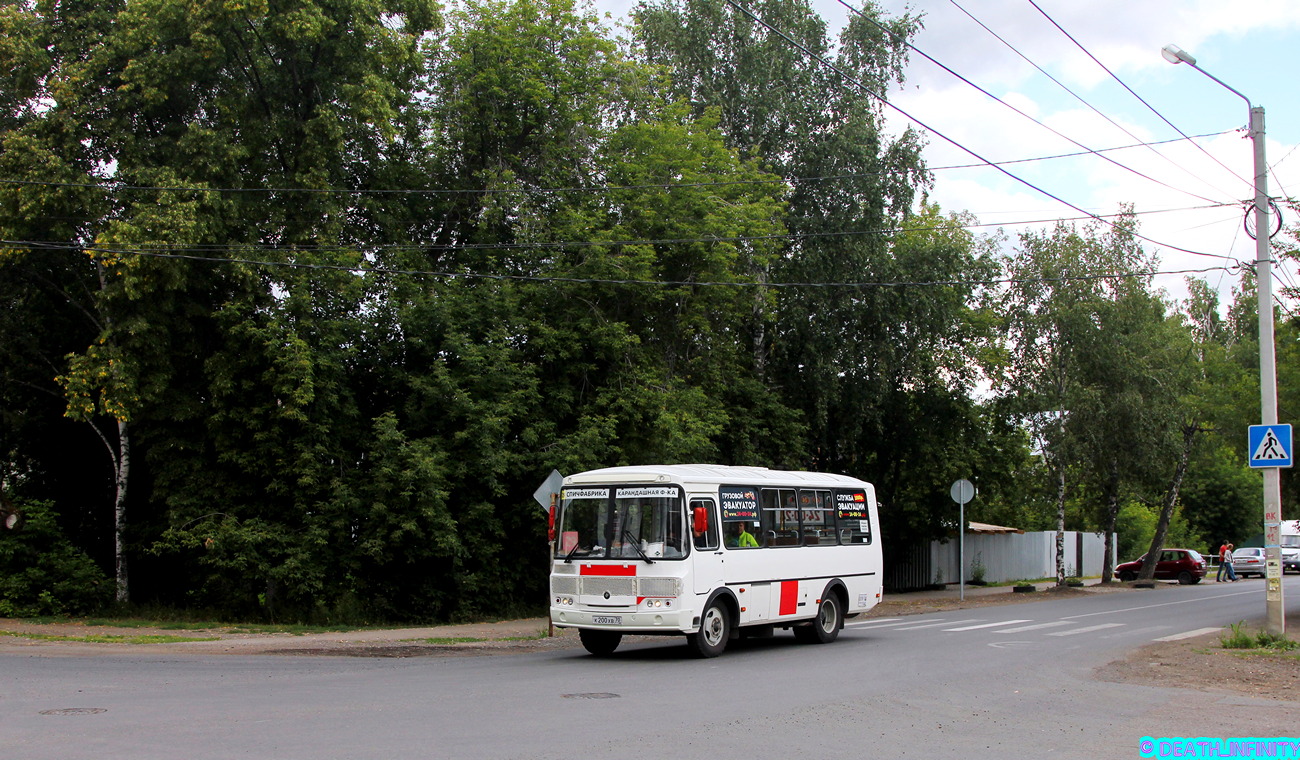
(1183, 565)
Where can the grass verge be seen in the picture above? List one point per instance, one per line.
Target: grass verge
(108, 638)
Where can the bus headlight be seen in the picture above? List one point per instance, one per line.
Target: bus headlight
(564, 601)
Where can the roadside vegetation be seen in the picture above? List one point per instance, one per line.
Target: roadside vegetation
(109, 638)
(1258, 642)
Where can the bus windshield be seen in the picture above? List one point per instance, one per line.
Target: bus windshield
(637, 522)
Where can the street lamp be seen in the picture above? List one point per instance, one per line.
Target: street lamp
(1267, 369)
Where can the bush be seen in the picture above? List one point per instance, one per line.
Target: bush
(1241, 639)
(42, 573)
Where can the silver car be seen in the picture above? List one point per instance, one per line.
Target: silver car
(1248, 560)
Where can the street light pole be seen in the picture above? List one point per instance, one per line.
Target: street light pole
(1267, 362)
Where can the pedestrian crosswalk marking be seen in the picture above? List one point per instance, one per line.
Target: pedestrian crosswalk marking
(987, 625)
(1137, 631)
(1269, 445)
(901, 624)
(1188, 634)
(878, 623)
(1086, 629)
(1035, 627)
(939, 624)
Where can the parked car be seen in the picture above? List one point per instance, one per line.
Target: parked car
(1248, 560)
(1183, 565)
(1290, 559)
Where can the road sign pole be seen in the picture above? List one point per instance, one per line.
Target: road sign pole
(550, 561)
(1270, 447)
(961, 492)
(1267, 368)
(546, 495)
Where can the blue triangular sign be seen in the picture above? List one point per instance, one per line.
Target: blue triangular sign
(1270, 446)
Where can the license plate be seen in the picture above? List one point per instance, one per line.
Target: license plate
(607, 619)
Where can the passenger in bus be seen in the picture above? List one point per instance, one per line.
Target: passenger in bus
(742, 539)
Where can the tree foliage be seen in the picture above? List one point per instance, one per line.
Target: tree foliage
(331, 286)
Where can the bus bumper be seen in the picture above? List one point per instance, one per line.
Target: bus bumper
(634, 621)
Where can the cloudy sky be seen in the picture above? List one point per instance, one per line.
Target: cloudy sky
(1177, 188)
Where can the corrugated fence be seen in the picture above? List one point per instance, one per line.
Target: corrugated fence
(1003, 557)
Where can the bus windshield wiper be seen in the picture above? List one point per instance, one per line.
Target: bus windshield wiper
(637, 545)
(568, 558)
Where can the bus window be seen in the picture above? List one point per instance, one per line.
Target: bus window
(674, 546)
(853, 516)
(740, 517)
(818, 518)
(708, 538)
(780, 518)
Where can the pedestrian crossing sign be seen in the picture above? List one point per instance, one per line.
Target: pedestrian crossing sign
(1270, 446)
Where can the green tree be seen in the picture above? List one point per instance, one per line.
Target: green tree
(1093, 366)
(865, 366)
(198, 127)
(43, 573)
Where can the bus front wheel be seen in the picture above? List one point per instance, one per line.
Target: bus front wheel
(715, 628)
(599, 643)
(824, 628)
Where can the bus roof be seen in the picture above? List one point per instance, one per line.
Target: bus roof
(689, 475)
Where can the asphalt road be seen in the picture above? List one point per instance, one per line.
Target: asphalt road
(993, 682)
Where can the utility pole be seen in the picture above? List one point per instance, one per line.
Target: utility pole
(1267, 362)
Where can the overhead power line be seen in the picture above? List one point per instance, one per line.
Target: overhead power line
(563, 244)
(1134, 94)
(116, 186)
(1080, 98)
(470, 275)
(1019, 112)
(849, 80)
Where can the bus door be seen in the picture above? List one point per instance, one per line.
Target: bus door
(706, 547)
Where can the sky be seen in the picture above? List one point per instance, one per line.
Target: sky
(1175, 188)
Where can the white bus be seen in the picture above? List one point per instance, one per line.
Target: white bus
(712, 552)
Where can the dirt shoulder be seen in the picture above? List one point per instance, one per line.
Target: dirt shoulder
(1198, 663)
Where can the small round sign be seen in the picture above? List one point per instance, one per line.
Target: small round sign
(962, 491)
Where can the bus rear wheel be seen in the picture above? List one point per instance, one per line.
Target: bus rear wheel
(599, 643)
(824, 628)
(715, 628)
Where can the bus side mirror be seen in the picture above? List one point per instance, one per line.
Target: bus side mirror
(701, 519)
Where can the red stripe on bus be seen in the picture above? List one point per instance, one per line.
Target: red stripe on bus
(607, 570)
(789, 597)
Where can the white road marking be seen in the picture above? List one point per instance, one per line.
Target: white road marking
(1086, 629)
(1036, 627)
(1162, 604)
(936, 625)
(1137, 631)
(1188, 634)
(875, 623)
(987, 625)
